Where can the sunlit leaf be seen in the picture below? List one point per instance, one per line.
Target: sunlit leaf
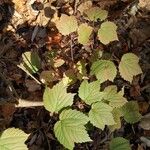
(104, 70)
(107, 32)
(101, 115)
(67, 24)
(57, 98)
(129, 66)
(70, 128)
(114, 98)
(95, 13)
(13, 139)
(90, 92)
(119, 143)
(84, 32)
(131, 112)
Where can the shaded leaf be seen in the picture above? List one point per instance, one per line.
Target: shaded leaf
(95, 13)
(104, 70)
(90, 92)
(129, 66)
(70, 128)
(119, 143)
(84, 32)
(57, 98)
(31, 61)
(116, 115)
(67, 24)
(107, 32)
(13, 139)
(101, 115)
(131, 112)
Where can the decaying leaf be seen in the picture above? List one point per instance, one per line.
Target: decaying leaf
(67, 24)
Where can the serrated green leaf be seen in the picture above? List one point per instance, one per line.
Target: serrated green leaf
(90, 92)
(116, 115)
(129, 66)
(104, 70)
(119, 143)
(114, 98)
(131, 112)
(31, 62)
(101, 115)
(67, 24)
(57, 98)
(95, 13)
(107, 32)
(70, 128)
(84, 32)
(13, 139)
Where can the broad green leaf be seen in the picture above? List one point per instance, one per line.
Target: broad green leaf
(31, 61)
(67, 24)
(84, 6)
(131, 112)
(95, 13)
(13, 139)
(107, 32)
(129, 66)
(119, 143)
(84, 32)
(90, 92)
(116, 114)
(114, 98)
(101, 115)
(104, 70)
(70, 128)
(57, 98)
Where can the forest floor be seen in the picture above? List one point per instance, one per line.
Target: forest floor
(28, 25)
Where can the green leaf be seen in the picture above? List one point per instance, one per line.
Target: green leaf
(70, 128)
(81, 66)
(67, 24)
(116, 115)
(107, 32)
(90, 92)
(119, 143)
(95, 13)
(57, 98)
(104, 70)
(31, 62)
(84, 32)
(131, 112)
(101, 115)
(13, 139)
(114, 98)
(129, 66)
